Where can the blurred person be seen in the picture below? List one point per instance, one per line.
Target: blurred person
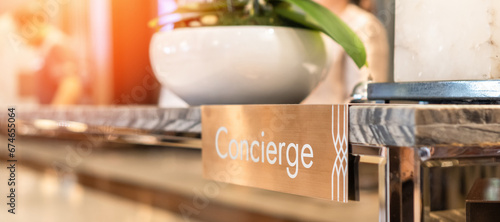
(44, 50)
(344, 75)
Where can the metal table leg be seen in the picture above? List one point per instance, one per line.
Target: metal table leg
(404, 197)
(400, 184)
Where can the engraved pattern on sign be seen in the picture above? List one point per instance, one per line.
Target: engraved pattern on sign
(339, 136)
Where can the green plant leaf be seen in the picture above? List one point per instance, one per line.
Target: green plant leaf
(315, 16)
(285, 11)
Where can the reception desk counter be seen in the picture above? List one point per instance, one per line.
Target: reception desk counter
(428, 156)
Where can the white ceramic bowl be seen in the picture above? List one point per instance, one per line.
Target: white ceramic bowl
(239, 64)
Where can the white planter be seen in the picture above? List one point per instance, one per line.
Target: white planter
(447, 40)
(239, 64)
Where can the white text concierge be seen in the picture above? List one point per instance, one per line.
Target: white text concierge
(270, 152)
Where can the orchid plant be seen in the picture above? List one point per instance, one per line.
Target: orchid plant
(293, 13)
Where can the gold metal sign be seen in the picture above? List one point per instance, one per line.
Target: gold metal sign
(297, 149)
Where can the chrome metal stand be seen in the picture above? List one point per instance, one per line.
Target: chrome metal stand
(406, 178)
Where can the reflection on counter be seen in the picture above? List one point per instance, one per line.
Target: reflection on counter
(59, 179)
(45, 197)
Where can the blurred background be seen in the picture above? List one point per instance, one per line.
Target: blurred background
(96, 52)
(105, 41)
(108, 40)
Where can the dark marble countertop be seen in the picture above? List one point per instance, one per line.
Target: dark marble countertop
(425, 125)
(389, 125)
(151, 118)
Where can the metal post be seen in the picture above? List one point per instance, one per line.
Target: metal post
(404, 196)
(383, 188)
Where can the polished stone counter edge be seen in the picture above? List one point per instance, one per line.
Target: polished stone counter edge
(391, 125)
(425, 125)
(150, 118)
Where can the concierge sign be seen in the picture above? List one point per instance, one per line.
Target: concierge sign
(298, 149)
